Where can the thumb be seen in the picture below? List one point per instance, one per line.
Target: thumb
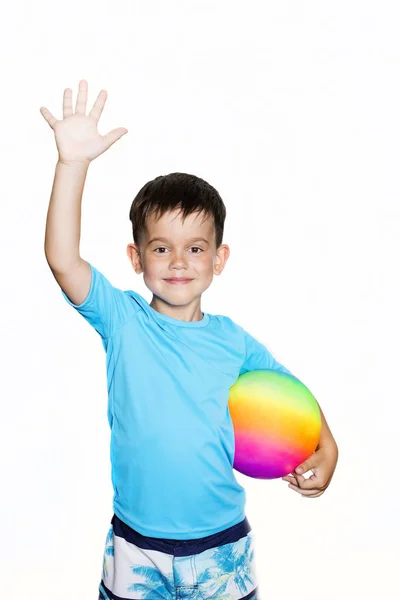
(114, 135)
(305, 466)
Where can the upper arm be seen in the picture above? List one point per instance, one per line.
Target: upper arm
(257, 356)
(75, 283)
(103, 305)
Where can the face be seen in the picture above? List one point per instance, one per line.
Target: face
(178, 259)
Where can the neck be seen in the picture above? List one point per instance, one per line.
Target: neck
(187, 312)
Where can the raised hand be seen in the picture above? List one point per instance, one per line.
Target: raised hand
(77, 138)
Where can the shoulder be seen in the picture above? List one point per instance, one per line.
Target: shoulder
(142, 308)
(138, 301)
(228, 325)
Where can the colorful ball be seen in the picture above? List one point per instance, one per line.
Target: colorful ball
(276, 422)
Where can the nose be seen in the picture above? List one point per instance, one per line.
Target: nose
(178, 261)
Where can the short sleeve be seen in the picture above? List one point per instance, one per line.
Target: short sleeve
(257, 356)
(105, 307)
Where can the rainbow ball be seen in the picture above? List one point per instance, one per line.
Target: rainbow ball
(276, 422)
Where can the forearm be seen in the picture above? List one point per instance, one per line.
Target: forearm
(63, 224)
(326, 437)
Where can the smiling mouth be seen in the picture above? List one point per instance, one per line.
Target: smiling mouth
(178, 280)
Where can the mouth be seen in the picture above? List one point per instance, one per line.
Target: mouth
(177, 280)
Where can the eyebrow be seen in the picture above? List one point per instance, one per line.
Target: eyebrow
(195, 239)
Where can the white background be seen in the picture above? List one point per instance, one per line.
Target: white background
(291, 110)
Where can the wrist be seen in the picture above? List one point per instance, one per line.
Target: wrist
(74, 164)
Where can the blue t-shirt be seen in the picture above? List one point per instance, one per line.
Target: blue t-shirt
(172, 439)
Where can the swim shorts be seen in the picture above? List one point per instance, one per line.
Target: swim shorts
(217, 567)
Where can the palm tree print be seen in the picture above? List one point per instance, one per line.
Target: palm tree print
(156, 584)
(231, 568)
(109, 551)
(232, 565)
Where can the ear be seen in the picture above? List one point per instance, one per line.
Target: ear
(133, 253)
(221, 257)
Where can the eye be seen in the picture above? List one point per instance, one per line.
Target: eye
(163, 248)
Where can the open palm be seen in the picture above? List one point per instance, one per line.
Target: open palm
(77, 137)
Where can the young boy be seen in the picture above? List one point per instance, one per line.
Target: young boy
(179, 528)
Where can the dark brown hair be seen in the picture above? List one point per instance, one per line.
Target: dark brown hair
(177, 190)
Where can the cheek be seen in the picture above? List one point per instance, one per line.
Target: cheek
(206, 266)
(151, 267)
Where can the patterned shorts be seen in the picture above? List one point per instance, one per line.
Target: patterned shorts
(217, 567)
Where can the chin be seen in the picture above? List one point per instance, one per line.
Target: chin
(178, 298)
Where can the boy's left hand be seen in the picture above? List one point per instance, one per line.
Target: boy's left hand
(322, 463)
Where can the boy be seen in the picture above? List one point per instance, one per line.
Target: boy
(179, 528)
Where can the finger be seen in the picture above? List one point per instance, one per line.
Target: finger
(290, 479)
(313, 495)
(67, 103)
(294, 478)
(299, 478)
(99, 105)
(313, 482)
(305, 466)
(307, 493)
(114, 136)
(81, 100)
(48, 116)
